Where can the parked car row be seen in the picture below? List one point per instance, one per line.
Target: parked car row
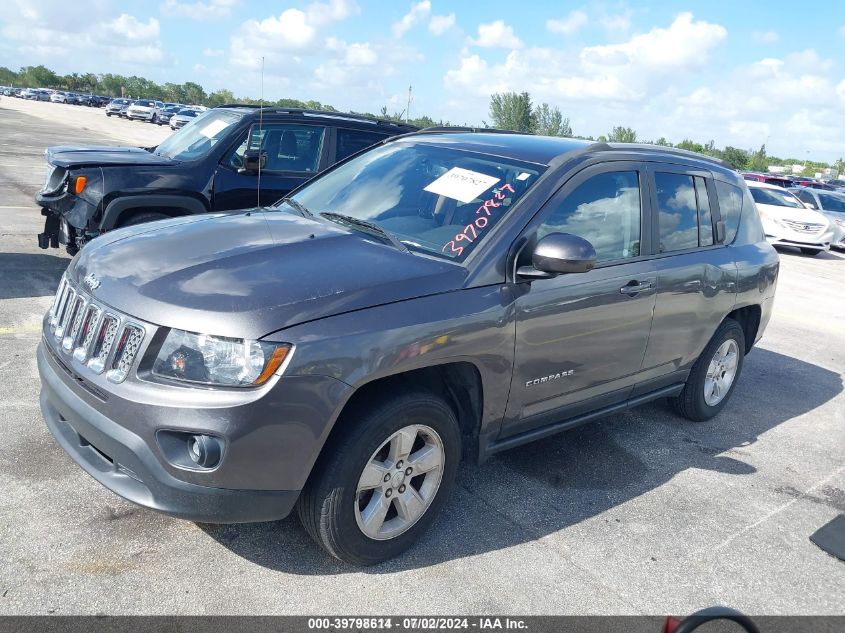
(56, 96)
(782, 180)
(807, 218)
(173, 114)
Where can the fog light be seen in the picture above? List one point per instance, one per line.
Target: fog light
(204, 450)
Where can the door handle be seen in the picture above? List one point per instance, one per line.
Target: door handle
(634, 287)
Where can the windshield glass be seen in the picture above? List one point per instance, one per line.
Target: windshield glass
(832, 202)
(436, 200)
(199, 136)
(775, 197)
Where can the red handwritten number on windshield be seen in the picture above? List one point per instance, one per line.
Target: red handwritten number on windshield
(471, 230)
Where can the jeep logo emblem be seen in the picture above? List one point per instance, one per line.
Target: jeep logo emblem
(91, 281)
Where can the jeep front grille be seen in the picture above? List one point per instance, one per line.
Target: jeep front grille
(98, 337)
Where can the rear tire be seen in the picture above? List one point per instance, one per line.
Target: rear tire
(707, 391)
(812, 252)
(366, 520)
(143, 217)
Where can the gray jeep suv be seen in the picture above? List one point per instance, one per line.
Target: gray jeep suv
(442, 296)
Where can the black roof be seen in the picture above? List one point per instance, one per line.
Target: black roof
(324, 114)
(542, 150)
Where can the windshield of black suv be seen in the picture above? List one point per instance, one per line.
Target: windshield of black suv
(775, 197)
(831, 201)
(199, 136)
(437, 200)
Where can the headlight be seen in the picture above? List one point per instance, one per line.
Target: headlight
(217, 360)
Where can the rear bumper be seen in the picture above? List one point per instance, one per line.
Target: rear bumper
(125, 463)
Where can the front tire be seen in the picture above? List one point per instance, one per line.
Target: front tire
(383, 479)
(143, 217)
(714, 375)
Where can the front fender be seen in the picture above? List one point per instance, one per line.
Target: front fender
(116, 207)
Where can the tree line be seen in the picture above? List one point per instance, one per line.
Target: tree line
(516, 111)
(508, 111)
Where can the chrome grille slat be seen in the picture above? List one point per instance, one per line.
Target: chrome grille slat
(64, 315)
(99, 339)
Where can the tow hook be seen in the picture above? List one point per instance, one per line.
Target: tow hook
(50, 237)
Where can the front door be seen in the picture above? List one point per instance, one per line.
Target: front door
(294, 155)
(581, 338)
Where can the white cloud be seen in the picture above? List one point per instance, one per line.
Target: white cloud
(36, 32)
(842, 30)
(619, 22)
(496, 35)
(568, 25)
(765, 37)
(439, 24)
(213, 52)
(418, 12)
(209, 10)
(132, 28)
(320, 13)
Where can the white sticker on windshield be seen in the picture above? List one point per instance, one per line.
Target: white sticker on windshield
(523, 176)
(213, 128)
(462, 184)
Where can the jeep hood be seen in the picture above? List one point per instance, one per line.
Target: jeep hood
(250, 274)
(97, 155)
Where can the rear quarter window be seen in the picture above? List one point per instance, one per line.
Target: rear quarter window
(730, 206)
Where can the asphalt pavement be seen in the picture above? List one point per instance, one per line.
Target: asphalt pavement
(639, 513)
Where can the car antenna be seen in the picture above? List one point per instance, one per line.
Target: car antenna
(260, 130)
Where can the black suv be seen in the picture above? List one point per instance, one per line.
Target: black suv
(439, 296)
(213, 164)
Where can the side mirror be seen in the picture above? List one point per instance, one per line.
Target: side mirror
(559, 253)
(253, 160)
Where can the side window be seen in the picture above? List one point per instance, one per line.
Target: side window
(604, 210)
(678, 212)
(289, 147)
(351, 141)
(730, 205)
(705, 220)
(806, 196)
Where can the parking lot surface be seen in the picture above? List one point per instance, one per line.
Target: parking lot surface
(639, 513)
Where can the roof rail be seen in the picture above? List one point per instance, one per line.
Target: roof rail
(344, 116)
(670, 150)
(439, 129)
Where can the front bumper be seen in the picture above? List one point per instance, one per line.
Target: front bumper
(142, 116)
(115, 441)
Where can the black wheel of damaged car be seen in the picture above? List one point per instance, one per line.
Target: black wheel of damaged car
(143, 217)
(381, 483)
(714, 375)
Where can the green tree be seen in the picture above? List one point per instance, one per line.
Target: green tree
(548, 121)
(38, 77)
(219, 97)
(735, 157)
(759, 161)
(622, 135)
(839, 166)
(194, 94)
(8, 77)
(690, 146)
(662, 142)
(512, 111)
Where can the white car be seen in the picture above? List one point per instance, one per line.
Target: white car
(788, 222)
(58, 97)
(828, 203)
(145, 110)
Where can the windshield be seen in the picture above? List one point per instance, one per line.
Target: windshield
(436, 200)
(199, 136)
(832, 202)
(775, 197)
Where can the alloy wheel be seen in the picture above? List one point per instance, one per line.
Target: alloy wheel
(721, 372)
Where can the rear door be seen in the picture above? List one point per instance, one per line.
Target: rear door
(696, 276)
(295, 153)
(580, 338)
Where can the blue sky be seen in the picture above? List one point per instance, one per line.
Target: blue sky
(739, 74)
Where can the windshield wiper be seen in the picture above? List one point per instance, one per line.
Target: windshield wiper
(297, 206)
(365, 227)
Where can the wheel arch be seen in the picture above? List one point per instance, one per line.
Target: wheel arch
(748, 318)
(458, 382)
(168, 204)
